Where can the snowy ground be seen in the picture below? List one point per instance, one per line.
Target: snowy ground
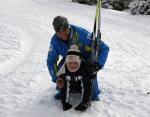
(26, 89)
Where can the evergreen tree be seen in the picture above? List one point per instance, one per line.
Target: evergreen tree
(118, 4)
(140, 7)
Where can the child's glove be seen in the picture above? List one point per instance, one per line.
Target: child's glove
(60, 83)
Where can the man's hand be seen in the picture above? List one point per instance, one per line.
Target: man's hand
(93, 70)
(96, 68)
(60, 83)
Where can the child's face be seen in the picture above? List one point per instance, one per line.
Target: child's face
(72, 66)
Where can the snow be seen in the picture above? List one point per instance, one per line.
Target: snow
(26, 89)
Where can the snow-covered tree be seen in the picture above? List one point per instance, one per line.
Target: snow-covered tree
(106, 4)
(85, 1)
(118, 4)
(140, 7)
(112, 4)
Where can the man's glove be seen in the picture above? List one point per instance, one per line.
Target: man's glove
(60, 82)
(94, 69)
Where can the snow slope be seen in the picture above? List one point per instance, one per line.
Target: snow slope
(26, 89)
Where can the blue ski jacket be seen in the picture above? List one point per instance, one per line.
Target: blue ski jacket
(80, 37)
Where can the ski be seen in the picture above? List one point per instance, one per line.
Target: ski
(96, 37)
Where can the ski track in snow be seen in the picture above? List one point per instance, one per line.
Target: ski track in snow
(25, 86)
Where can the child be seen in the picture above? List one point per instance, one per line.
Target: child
(76, 78)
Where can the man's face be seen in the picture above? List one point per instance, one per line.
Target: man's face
(63, 34)
(72, 66)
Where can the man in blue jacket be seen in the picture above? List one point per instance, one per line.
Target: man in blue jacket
(66, 35)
